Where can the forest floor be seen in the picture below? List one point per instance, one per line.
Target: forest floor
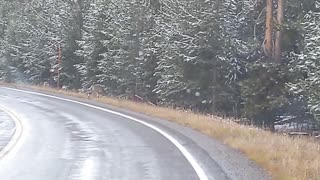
(281, 156)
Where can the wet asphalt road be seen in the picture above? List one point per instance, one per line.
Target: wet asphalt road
(64, 140)
(7, 129)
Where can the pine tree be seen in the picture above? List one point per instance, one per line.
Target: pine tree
(203, 55)
(308, 64)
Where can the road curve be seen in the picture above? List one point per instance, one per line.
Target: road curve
(69, 140)
(8, 132)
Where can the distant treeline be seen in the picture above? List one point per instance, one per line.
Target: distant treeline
(252, 59)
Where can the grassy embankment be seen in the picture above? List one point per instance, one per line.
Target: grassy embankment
(283, 157)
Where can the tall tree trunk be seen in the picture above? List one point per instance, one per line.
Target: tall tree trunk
(278, 40)
(269, 26)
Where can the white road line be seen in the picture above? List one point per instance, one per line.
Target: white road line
(194, 163)
(16, 134)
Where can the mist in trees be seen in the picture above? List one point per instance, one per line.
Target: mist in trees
(254, 59)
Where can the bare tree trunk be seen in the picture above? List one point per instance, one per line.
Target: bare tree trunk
(278, 40)
(269, 26)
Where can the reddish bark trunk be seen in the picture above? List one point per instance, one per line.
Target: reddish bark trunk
(269, 26)
(278, 40)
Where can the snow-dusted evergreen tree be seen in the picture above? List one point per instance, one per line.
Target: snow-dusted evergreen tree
(90, 44)
(119, 63)
(308, 63)
(121, 47)
(199, 54)
(8, 43)
(205, 36)
(171, 87)
(36, 29)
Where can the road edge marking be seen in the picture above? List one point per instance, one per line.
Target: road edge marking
(193, 162)
(17, 133)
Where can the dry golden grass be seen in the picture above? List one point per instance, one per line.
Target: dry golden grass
(283, 157)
